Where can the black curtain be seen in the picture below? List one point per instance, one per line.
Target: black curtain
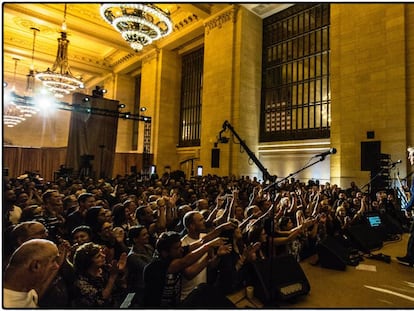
(92, 136)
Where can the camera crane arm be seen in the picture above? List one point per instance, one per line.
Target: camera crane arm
(227, 125)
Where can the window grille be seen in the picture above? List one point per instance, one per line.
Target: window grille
(295, 83)
(191, 98)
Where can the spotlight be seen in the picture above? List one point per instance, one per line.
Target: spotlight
(224, 140)
(142, 109)
(86, 99)
(98, 92)
(121, 106)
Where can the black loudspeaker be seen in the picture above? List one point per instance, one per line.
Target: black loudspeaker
(365, 238)
(391, 225)
(206, 296)
(332, 254)
(370, 155)
(215, 157)
(280, 278)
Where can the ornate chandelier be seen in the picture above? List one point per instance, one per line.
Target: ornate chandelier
(59, 80)
(12, 114)
(139, 24)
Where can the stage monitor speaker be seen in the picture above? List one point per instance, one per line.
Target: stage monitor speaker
(206, 296)
(280, 278)
(370, 155)
(332, 254)
(391, 224)
(365, 238)
(215, 157)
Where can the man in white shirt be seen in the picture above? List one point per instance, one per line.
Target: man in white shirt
(196, 274)
(31, 268)
(194, 222)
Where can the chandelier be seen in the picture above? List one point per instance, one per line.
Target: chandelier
(12, 115)
(139, 24)
(59, 80)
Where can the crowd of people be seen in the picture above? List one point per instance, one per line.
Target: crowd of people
(89, 243)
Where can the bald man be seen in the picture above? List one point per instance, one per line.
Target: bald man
(31, 268)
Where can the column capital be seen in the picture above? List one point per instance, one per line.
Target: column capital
(222, 17)
(150, 56)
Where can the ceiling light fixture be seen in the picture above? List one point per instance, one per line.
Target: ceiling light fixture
(59, 80)
(12, 115)
(139, 23)
(30, 82)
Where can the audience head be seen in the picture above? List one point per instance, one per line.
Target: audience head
(144, 215)
(69, 202)
(52, 197)
(86, 200)
(118, 213)
(32, 263)
(138, 235)
(255, 234)
(194, 222)
(169, 245)
(202, 204)
(28, 230)
(86, 256)
(182, 210)
(81, 235)
(95, 217)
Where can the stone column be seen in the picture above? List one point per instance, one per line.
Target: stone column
(232, 61)
(160, 90)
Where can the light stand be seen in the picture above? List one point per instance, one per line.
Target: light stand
(102, 174)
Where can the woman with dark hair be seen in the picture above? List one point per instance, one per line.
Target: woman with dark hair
(96, 282)
(140, 255)
(119, 217)
(95, 217)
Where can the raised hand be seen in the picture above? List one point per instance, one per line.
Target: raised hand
(121, 265)
(227, 226)
(224, 249)
(216, 242)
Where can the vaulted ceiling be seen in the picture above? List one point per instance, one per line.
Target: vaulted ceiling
(95, 50)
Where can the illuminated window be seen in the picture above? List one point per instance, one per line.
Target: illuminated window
(295, 84)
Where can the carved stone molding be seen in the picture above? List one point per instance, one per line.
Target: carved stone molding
(188, 20)
(229, 15)
(123, 59)
(150, 56)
